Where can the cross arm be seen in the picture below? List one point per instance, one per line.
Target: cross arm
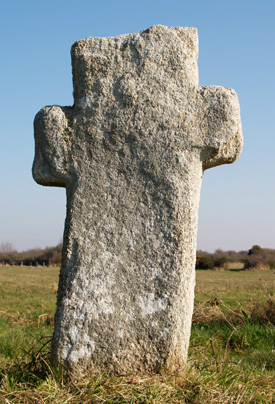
(220, 126)
(52, 146)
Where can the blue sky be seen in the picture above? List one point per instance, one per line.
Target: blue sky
(237, 49)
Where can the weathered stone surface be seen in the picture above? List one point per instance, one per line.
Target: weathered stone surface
(131, 154)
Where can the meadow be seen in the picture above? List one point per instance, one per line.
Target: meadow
(231, 355)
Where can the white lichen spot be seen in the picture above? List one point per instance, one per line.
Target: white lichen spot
(83, 102)
(120, 333)
(105, 306)
(154, 273)
(163, 334)
(85, 344)
(149, 305)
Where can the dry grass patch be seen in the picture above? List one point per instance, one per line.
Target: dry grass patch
(216, 310)
(226, 387)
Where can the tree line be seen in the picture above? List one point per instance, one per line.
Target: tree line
(256, 257)
(49, 256)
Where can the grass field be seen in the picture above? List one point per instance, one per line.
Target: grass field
(231, 356)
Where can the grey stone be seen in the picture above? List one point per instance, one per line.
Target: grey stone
(131, 154)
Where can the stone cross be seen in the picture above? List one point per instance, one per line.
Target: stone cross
(131, 153)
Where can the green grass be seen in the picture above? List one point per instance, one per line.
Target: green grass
(27, 304)
(235, 287)
(231, 355)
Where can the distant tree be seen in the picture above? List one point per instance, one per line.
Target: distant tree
(8, 253)
(6, 248)
(256, 249)
(219, 251)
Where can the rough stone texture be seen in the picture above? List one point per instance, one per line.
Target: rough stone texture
(131, 154)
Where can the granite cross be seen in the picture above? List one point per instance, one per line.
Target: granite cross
(131, 153)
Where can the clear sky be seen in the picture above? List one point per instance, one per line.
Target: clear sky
(237, 49)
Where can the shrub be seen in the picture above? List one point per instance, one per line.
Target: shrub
(264, 312)
(255, 262)
(205, 262)
(271, 264)
(220, 261)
